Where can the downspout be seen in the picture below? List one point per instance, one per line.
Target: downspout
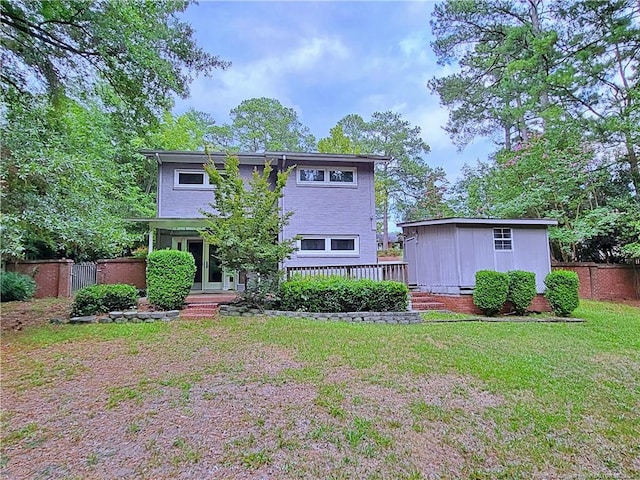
(151, 229)
(281, 232)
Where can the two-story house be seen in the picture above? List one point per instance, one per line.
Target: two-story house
(332, 198)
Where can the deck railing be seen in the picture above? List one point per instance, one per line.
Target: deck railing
(373, 271)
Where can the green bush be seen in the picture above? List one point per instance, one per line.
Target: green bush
(16, 286)
(522, 290)
(104, 298)
(169, 278)
(337, 294)
(562, 291)
(490, 291)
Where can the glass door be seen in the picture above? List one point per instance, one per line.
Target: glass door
(214, 274)
(196, 248)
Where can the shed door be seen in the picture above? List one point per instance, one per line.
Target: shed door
(411, 257)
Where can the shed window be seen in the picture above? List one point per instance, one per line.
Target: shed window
(502, 239)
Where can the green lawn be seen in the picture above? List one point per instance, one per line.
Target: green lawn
(282, 398)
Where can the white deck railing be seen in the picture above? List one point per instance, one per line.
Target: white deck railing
(373, 271)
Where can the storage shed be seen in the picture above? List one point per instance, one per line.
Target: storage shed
(444, 254)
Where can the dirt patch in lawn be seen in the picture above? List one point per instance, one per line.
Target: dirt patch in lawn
(38, 311)
(184, 404)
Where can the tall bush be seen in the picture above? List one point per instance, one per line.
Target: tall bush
(169, 278)
(562, 291)
(96, 299)
(16, 286)
(522, 290)
(490, 291)
(337, 294)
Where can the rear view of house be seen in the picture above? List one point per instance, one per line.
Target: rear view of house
(331, 196)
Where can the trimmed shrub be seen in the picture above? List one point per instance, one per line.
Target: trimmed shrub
(169, 278)
(96, 299)
(562, 291)
(16, 286)
(490, 291)
(522, 290)
(337, 294)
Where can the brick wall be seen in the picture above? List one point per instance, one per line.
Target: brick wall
(131, 271)
(464, 304)
(604, 281)
(52, 277)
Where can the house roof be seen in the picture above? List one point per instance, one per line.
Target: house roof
(479, 221)
(180, 156)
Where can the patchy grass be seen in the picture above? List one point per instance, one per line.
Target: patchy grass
(283, 398)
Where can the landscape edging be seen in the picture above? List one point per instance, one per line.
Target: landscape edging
(350, 317)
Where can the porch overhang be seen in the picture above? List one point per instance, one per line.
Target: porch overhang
(172, 223)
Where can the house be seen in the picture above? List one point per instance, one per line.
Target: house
(331, 196)
(395, 241)
(445, 254)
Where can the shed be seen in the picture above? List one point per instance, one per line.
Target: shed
(444, 254)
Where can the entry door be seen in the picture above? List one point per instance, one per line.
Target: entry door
(196, 248)
(213, 273)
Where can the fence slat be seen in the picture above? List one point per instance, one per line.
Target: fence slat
(83, 275)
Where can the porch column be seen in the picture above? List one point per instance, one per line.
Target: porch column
(150, 247)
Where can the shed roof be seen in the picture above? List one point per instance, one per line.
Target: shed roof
(181, 156)
(480, 221)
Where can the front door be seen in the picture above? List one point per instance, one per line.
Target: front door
(209, 274)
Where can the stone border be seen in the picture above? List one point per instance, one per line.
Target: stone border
(132, 316)
(351, 317)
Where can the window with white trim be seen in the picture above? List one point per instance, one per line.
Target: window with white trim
(197, 179)
(328, 245)
(502, 239)
(321, 176)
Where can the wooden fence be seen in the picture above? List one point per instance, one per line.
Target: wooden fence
(374, 271)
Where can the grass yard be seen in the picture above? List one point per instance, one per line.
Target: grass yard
(278, 398)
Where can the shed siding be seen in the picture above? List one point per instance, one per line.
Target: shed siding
(475, 248)
(333, 210)
(186, 202)
(531, 253)
(436, 260)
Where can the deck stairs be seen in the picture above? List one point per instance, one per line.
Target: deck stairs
(424, 301)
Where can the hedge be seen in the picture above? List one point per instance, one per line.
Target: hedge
(522, 290)
(16, 286)
(96, 299)
(562, 291)
(169, 278)
(490, 291)
(337, 294)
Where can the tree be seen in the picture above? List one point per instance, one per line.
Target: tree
(65, 192)
(247, 220)
(135, 55)
(263, 124)
(403, 181)
(338, 142)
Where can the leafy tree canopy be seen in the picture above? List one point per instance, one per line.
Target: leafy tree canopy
(263, 124)
(135, 55)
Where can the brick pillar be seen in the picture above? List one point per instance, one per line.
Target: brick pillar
(65, 271)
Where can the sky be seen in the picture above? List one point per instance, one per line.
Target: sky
(327, 60)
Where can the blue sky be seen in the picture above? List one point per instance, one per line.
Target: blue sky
(327, 60)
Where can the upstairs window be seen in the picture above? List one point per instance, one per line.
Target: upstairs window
(324, 176)
(196, 179)
(502, 239)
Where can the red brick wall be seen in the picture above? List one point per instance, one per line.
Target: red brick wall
(52, 277)
(464, 304)
(604, 281)
(131, 271)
